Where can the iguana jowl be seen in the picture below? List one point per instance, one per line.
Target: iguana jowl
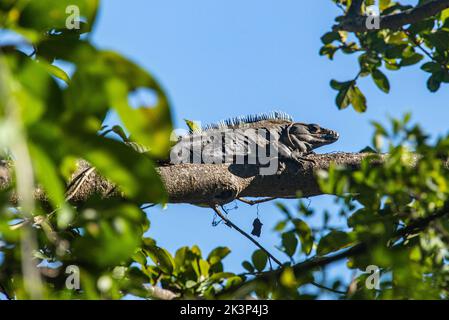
(238, 137)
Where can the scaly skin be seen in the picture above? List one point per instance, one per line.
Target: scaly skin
(222, 144)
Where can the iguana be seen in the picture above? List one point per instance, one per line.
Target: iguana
(276, 131)
(242, 137)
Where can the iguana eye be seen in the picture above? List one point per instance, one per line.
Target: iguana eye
(314, 128)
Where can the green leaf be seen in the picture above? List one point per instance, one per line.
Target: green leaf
(133, 172)
(328, 50)
(46, 173)
(218, 254)
(289, 243)
(116, 80)
(368, 149)
(248, 266)
(330, 37)
(58, 73)
(161, 258)
(384, 4)
(444, 15)
(411, 60)
(305, 235)
(107, 244)
(333, 241)
(439, 39)
(196, 251)
(343, 98)
(336, 85)
(190, 284)
(280, 225)
(140, 258)
(381, 80)
(149, 125)
(181, 257)
(233, 281)
(192, 125)
(204, 268)
(349, 93)
(433, 83)
(358, 100)
(259, 259)
(283, 208)
(288, 278)
(118, 130)
(220, 276)
(36, 92)
(395, 51)
(431, 67)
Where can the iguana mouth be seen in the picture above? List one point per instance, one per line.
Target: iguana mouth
(331, 135)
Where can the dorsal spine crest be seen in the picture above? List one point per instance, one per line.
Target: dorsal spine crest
(243, 120)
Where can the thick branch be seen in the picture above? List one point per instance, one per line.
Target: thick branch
(223, 183)
(395, 20)
(213, 183)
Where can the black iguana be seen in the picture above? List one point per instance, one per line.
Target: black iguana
(238, 138)
(254, 135)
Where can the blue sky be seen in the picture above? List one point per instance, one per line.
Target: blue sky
(218, 59)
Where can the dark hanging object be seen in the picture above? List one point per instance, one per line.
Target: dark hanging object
(257, 227)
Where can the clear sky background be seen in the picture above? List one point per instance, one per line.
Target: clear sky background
(223, 58)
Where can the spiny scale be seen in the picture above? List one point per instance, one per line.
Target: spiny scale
(242, 120)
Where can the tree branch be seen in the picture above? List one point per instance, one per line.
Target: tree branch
(322, 261)
(212, 184)
(395, 20)
(233, 225)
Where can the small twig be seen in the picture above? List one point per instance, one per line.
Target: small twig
(103, 134)
(110, 192)
(254, 202)
(357, 249)
(352, 288)
(341, 7)
(5, 293)
(327, 288)
(418, 45)
(19, 224)
(78, 177)
(232, 225)
(82, 177)
(151, 205)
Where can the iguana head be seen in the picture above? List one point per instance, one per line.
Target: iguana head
(307, 137)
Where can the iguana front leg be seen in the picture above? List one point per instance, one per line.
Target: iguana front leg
(296, 156)
(299, 157)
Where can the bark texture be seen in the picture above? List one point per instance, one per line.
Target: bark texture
(357, 23)
(209, 183)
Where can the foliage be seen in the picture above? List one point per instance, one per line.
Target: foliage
(425, 42)
(395, 205)
(398, 212)
(54, 119)
(396, 208)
